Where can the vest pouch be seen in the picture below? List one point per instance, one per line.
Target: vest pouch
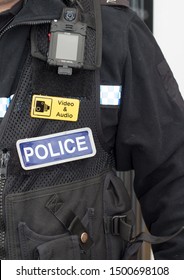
(118, 217)
(57, 222)
(36, 246)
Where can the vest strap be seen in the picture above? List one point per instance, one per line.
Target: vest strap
(136, 242)
(115, 2)
(117, 225)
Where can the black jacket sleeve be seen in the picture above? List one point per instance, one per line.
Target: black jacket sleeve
(150, 137)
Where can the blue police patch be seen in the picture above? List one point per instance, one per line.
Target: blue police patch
(56, 148)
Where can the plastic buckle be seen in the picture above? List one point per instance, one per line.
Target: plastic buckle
(115, 224)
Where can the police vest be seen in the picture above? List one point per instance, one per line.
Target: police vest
(61, 196)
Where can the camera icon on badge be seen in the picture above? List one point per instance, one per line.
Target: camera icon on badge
(42, 107)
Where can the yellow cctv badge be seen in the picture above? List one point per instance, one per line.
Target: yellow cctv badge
(55, 108)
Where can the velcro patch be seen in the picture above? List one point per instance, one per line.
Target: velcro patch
(56, 148)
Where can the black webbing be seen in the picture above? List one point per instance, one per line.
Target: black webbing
(135, 243)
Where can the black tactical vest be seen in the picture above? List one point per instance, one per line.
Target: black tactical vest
(73, 210)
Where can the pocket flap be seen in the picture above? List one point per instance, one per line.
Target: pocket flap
(64, 248)
(36, 246)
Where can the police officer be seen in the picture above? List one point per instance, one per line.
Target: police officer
(69, 121)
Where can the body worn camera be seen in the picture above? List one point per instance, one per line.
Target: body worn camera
(67, 41)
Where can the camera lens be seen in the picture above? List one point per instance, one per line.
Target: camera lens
(70, 15)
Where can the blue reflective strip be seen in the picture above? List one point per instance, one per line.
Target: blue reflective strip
(110, 95)
(4, 104)
(56, 148)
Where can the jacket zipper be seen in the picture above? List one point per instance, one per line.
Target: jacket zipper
(5, 155)
(4, 158)
(24, 23)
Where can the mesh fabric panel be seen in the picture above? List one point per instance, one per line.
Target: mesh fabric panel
(20, 125)
(40, 78)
